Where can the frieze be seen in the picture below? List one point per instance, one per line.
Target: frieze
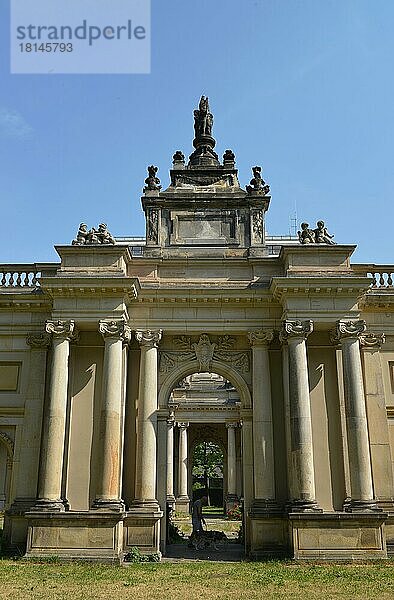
(205, 352)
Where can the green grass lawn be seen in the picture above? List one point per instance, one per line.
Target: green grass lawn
(211, 581)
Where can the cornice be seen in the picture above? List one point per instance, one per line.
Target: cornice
(91, 286)
(281, 287)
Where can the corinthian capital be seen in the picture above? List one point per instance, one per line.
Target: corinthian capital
(148, 338)
(260, 337)
(348, 329)
(61, 329)
(296, 329)
(38, 340)
(115, 329)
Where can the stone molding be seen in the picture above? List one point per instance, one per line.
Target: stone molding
(372, 340)
(9, 443)
(117, 330)
(348, 329)
(39, 341)
(62, 330)
(148, 338)
(296, 329)
(261, 337)
(205, 352)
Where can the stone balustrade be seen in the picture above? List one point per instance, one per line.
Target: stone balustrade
(382, 275)
(24, 275)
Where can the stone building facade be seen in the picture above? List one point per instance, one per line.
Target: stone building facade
(293, 342)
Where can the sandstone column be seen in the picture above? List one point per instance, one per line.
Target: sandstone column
(170, 459)
(26, 487)
(182, 498)
(263, 443)
(362, 495)
(51, 471)
(231, 464)
(145, 478)
(303, 495)
(108, 492)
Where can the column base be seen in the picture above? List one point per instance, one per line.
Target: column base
(303, 506)
(148, 505)
(20, 506)
(265, 506)
(45, 505)
(170, 500)
(116, 505)
(182, 504)
(361, 506)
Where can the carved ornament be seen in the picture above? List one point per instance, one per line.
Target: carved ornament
(115, 329)
(372, 340)
(62, 329)
(148, 338)
(38, 340)
(296, 329)
(205, 352)
(261, 337)
(348, 329)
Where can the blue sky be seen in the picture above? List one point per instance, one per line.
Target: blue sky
(304, 88)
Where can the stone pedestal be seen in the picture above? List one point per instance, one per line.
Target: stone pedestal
(94, 536)
(338, 536)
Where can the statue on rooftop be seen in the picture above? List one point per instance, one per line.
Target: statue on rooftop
(152, 182)
(306, 235)
(203, 119)
(257, 183)
(81, 236)
(321, 234)
(93, 237)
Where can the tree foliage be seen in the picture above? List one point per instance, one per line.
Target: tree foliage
(207, 460)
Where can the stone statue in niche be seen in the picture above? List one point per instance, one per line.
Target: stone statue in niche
(257, 183)
(93, 237)
(152, 181)
(306, 235)
(203, 119)
(153, 222)
(319, 235)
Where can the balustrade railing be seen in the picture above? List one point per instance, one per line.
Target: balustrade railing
(382, 275)
(24, 276)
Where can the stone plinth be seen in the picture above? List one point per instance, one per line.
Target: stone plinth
(338, 536)
(93, 260)
(142, 530)
(76, 535)
(269, 535)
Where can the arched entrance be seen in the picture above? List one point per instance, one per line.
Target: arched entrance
(204, 447)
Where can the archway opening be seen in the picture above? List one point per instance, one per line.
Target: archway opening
(207, 475)
(204, 459)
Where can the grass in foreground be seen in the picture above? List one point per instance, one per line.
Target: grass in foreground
(211, 581)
